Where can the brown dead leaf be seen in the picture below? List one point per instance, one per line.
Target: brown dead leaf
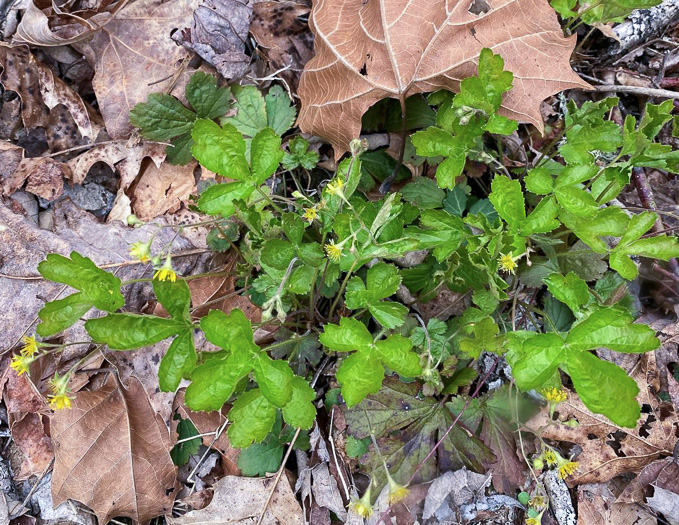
(366, 51)
(10, 158)
(286, 39)
(45, 176)
(34, 28)
(597, 506)
(134, 55)
(112, 454)
(608, 450)
(162, 189)
(121, 156)
(31, 436)
(238, 500)
(218, 34)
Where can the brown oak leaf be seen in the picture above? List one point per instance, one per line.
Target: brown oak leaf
(367, 51)
(112, 454)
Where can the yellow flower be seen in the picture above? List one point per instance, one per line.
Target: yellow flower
(166, 272)
(397, 492)
(550, 457)
(537, 502)
(30, 346)
(141, 251)
(567, 469)
(334, 251)
(507, 263)
(310, 214)
(532, 521)
(335, 187)
(21, 362)
(362, 506)
(554, 395)
(60, 401)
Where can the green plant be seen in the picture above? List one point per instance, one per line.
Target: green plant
(327, 266)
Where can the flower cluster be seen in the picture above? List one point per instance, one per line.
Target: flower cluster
(29, 353)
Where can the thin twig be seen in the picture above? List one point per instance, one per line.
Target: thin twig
(637, 90)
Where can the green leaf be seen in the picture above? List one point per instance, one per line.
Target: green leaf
(220, 149)
(485, 91)
(541, 356)
(251, 111)
(178, 152)
(219, 199)
(350, 335)
(178, 362)
(382, 281)
(423, 193)
(355, 448)
(58, 315)
(612, 328)
(542, 219)
(301, 352)
(252, 418)
(539, 181)
(130, 331)
(214, 382)
(99, 287)
(485, 338)
(507, 199)
(298, 155)
(605, 388)
(280, 111)
(181, 452)
(266, 154)
(434, 142)
(300, 411)
(570, 290)
(273, 378)
(175, 297)
(162, 118)
(259, 459)
(390, 315)
(205, 97)
(359, 374)
(396, 352)
(444, 233)
(455, 202)
(231, 331)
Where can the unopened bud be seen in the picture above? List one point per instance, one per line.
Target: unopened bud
(538, 464)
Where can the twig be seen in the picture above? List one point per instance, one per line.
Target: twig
(637, 90)
(35, 485)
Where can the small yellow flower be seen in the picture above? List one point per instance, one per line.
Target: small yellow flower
(397, 492)
(141, 251)
(336, 187)
(334, 251)
(310, 214)
(507, 263)
(532, 521)
(21, 362)
(567, 469)
(362, 506)
(30, 346)
(537, 502)
(550, 457)
(554, 396)
(60, 401)
(166, 272)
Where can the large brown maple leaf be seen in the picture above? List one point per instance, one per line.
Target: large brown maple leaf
(367, 50)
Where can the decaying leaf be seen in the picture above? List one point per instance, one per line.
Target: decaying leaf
(366, 51)
(218, 34)
(607, 450)
(239, 500)
(10, 158)
(112, 454)
(135, 56)
(162, 189)
(597, 506)
(279, 29)
(407, 429)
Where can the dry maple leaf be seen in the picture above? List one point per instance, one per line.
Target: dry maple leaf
(367, 50)
(112, 454)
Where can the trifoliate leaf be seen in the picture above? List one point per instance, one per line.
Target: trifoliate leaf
(299, 411)
(298, 155)
(220, 149)
(252, 418)
(486, 338)
(382, 281)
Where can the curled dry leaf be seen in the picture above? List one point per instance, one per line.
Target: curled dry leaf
(607, 450)
(112, 454)
(366, 51)
(238, 500)
(34, 28)
(287, 41)
(163, 188)
(218, 34)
